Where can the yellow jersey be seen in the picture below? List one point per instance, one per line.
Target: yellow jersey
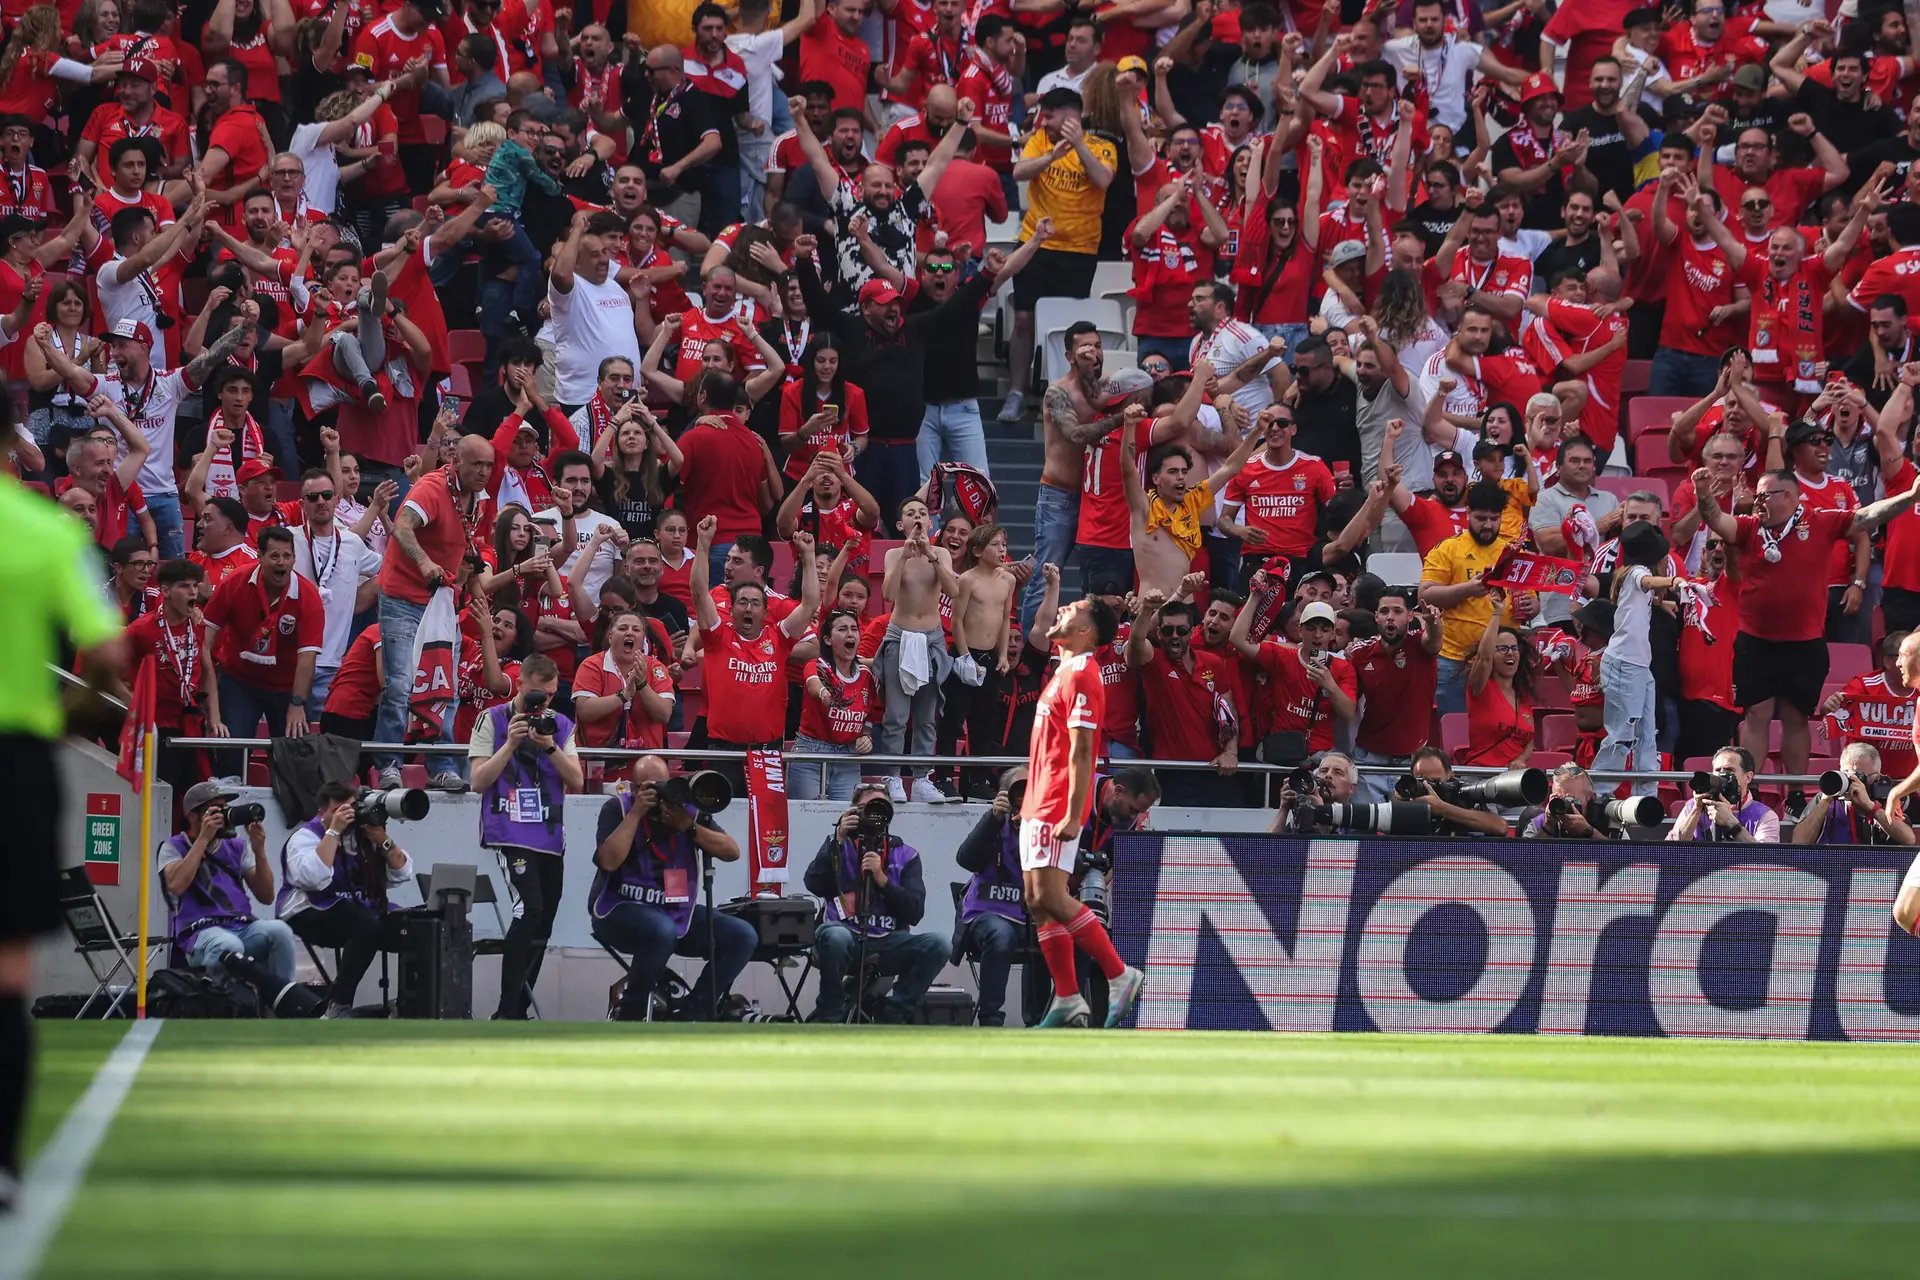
(1064, 193)
(1181, 522)
(1460, 559)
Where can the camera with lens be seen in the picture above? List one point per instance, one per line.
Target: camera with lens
(238, 816)
(1610, 815)
(373, 808)
(1835, 783)
(1017, 797)
(1720, 785)
(876, 816)
(1396, 818)
(1513, 789)
(540, 717)
(707, 791)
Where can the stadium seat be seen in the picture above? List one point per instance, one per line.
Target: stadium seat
(1548, 760)
(1110, 278)
(691, 681)
(1114, 361)
(1453, 730)
(677, 741)
(1621, 486)
(466, 346)
(433, 129)
(460, 381)
(781, 575)
(1845, 661)
(1652, 412)
(413, 775)
(1554, 732)
(1634, 377)
(1052, 316)
(1650, 453)
(1395, 568)
(1672, 477)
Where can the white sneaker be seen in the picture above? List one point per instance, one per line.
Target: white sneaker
(1014, 407)
(338, 1011)
(389, 778)
(924, 792)
(895, 791)
(1123, 993)
(1066, 1011)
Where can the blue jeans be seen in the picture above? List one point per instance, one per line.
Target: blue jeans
(270, 942)
(917, 959)
(1379, 787)
(1176, 350)
(399, 621)
(716, 563)
(646, 933)
(280, 437)
(317, 696)
(1682, 373)
(951, 433)
(520, 250)
(1629, 719)
(805, 777)
(242, 707)
(1450, 695)
(1056, 514)
(887, 470)
(165, 510)
(990, 940)
(1293, 333)
(1120, 751)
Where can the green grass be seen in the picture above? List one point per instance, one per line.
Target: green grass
(549, 1150)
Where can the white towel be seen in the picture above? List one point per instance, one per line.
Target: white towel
(915, 668)
(968, 670)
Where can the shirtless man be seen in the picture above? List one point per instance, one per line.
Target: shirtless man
(980, 609)
(1069, 423)
(917, 575)
(1167, 533)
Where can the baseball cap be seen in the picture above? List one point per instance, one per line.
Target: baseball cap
(132, 329)
(879, 291)
(1124, 383)
(15, 224)
(362, 62)
(1803, 431)
(1751, 77)
(1641, 18)
(1538, 85)
(1487, 449)
(254, 468)
(1132, 62)
(1346, 251)
(1449, 457)
(1318, 611)
(202, 794)
(142, 68)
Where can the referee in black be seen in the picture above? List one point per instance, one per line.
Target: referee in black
(51, 590)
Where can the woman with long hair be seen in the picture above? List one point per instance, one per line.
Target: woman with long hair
(515, 556)
(54, 412)
(821, 410)
(838, 715)
(1234, 212)
(490, 668)
(1500, 687)
(635, 467)
(623, 694)
(1400, 311)
(30, 63)
(1273, 271)
(94, 23)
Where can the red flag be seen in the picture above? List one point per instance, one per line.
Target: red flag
(133, 734)
(768, 838)
(1520, 570)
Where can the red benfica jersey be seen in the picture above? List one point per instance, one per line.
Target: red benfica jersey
(696, 331)
(839, 526)
(1898, 273)
(1830, 493)
(1283, 501)
(109, 124)
(1873, 713)
(1374, 138)
(1398, 682)
(1291, 701)
(260, 640)
(1216, 149)
(746, 683)
(1122, 720)
(1074, 699)
(1104, 518)
(176, 651)
(239, 558)
(1900, 557)
(1506, 275)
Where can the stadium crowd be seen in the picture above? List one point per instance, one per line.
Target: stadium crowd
(1529, 383)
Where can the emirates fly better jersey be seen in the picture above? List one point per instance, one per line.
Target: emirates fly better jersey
(1073, 699)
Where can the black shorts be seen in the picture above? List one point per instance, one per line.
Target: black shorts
(29, 844)
(1053, 274)
(1790, 670)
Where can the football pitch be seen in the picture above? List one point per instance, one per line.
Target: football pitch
(556, 1149)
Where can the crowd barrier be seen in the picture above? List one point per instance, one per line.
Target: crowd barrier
(1398, 934)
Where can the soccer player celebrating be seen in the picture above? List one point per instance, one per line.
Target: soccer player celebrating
(1066, 739)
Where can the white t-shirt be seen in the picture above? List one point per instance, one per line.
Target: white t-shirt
(1525, 243)
(590, 322)
(1230, 346)
(306, 873)
(761, 53)
(322, 188)
(1063, 79)
(136, 298)
(338, 572)
(1447, 68)
(1656, 71)
(605, 561)
(157, 401)
(1632, 612)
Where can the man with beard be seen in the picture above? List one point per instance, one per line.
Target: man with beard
(1397, 674)
(133, 114)
(95, 466)
(1839, 107)
(1702, 43)
(1070, 421)
(1273, 506)
(952, 431)
(1890, 344)
(1387, 394)
(1170, 255)
(1497, 283)
(267, 630)
(1432, 520)
(786, 158)
(237, 149)
(1756, 164)
(1362, 126)
(1785, 325)
(933, 58)
(1451, 581)
(1446, 61)
(928, 125)
(1191, 710)
(718, 72)
(1468, 379)
(1615, 134)
(844, 141)
(1534, 158)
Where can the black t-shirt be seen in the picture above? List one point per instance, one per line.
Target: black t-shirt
(1896, 151)
(1560, 255)
(1609, 158)
(1326, 427)
(1433, 223)
(1847, 125)
(1011, 698)
(1769, 114)
(1543, 210)
(635, 514)
(689, 117)
(671, 614)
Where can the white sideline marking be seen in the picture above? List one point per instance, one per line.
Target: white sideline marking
(1496, 1206)
(57, 1172)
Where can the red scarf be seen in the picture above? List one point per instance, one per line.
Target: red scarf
(591, 92)
(1168, 259)
(599, 420)
(1785, 332)
(1532, 153)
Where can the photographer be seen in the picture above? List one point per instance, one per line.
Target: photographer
(1725, 810)
(203, 871)
(1333, 780)
(1858, 814)
(1428, 779)
(645, 882)
(873, 888)
(1572, 784)
(524, 763)
(334, 889)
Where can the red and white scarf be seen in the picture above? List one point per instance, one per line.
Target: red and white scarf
(222, 481)
(1532, 153)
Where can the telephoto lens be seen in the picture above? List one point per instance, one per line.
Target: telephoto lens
(1634, 811)
(1832, 783)
(1508, 790)
(245, 815)
(374, 808)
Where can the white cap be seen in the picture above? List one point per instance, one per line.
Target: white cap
(1318, 611)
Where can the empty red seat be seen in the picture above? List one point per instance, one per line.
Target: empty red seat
(413, 775)
(1554, 733)
(1453, 731)
(1548, 760)
(1634, 377)
(1650, 453)
(1845, 661)
(466, 346)
(1650, 412)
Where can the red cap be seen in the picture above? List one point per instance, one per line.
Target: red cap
(133, 329)
(141, 67)
(1538, 85)
(254, 468)
(879, 291)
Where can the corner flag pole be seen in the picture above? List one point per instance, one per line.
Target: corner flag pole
(148, 750)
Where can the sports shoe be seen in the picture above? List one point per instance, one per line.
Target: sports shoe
(924, 792)
(389, 777)
(338, 1011)
(1014, 407)
(1123, 993)
(895, 791)
(1065, 1011)
(449, 782)
(9, 1191)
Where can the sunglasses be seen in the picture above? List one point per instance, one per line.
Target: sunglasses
(1756, 204)
(321, 496)
(1176, 631)
(938, 268)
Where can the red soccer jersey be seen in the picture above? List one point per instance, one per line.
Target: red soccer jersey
(843, 61)
(108, 124)
(1180, 705)
(176, 653)
(1165, 269)
(1706, 670)
(1791, 191)
(1122, 720)
(391, 51)
(596, 678)
(386, 178)
(697, 330)
(1216, 149)
(746, 684)
(911, 128)
(1270, 292)
(1781, 353)
(260, 640)
(1398, 684)
(856, 704)
(1900, 557)
(1873, 713)
(1374, 136)
(721, 475)
(991, 93)
(1104, 517)
(1897, 273)
(787, 155)
(355, 691)
(933, 59)
(1687, 58)
(1284, 501)
(1432, 523)
(838, 527)
(1787, 598)
(1292, 702)
(852, 422)
(1074, 699)
(1709, 280)
(443, 533)
(1833, 494)
(1510, 276)
(1584, 332)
